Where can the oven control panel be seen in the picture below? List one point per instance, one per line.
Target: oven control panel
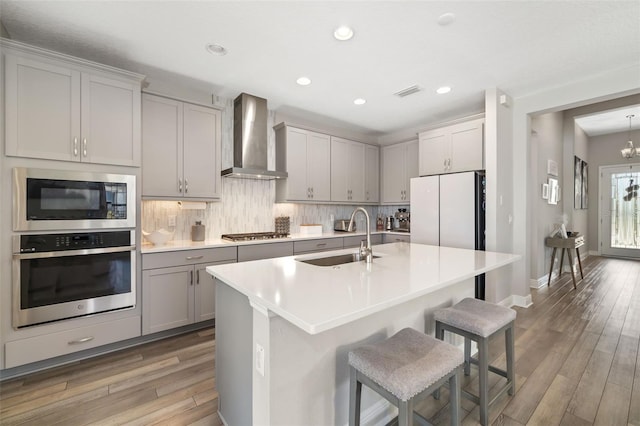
(73, 241)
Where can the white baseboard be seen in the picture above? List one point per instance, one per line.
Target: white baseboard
(515, 300)
(379, 414)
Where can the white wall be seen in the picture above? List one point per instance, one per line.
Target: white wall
(499, 188)
(546, 144)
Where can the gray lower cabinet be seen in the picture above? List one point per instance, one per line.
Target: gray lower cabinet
(354, 241)
(176, 289)
(264, 251)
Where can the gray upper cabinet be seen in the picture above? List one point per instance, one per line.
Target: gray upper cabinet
(180, 149)
(452, 149)
(62, 108)
(371, 174)
(347, 170)
(399, 165)
(306, 156)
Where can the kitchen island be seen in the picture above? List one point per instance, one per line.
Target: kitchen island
(284, 327)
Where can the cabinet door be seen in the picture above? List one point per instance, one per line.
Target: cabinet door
(110, 121)
(434, 152)
(393, 173)
(167, 298)
(340, 165)
(204, 294)
(42, 109)
(161, 146)
(411, 167)
(372, 174)
(356, 168)
(319, 166)
(467, 148)
(201, 152)
(297, 182)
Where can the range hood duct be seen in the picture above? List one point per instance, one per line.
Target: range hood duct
(250, 140)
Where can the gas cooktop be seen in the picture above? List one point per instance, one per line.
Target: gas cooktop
(254, 236)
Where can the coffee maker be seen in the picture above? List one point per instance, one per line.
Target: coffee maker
(403, 220)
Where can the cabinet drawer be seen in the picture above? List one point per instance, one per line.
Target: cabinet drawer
(264, 251)
(394, 238)
(317, 245)
(38, 348)
(188, 257)
(354, 241)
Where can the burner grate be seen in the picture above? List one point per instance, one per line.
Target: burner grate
(252, 236)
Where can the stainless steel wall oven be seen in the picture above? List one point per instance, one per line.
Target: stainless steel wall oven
(66, 275)
(48, 200)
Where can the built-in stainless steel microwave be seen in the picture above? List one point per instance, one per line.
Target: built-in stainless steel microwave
(46, 200)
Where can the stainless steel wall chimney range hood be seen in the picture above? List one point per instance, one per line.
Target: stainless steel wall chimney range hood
(250, 140)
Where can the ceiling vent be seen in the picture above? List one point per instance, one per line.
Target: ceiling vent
(408, 91)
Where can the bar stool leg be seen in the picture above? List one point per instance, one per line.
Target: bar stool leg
(467, 356)
(355, 392)
(483, 378)
(510, 359)
(405, 413)
(454, 399)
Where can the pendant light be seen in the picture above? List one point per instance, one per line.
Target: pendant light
(630, 151)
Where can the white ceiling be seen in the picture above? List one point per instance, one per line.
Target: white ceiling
(521, 47)
(610, 121)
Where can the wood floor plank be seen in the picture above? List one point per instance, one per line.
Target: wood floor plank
(572, 420)
(554, 403)
(577, 360)
(589, 391)
(526, 400)
(204, 414)
(614, 407)
(624, 362)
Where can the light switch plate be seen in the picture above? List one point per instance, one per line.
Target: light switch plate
(260, 359)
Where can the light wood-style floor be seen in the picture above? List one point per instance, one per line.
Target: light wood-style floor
(577, 363)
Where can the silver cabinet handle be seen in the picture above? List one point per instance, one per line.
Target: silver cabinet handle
(321, 244)
(75, 147)
(198, 276)
(191, 279)
(444, 163)
(84, 147)
(186, 186)
(194, 257)
(180, 185)
(81, 340)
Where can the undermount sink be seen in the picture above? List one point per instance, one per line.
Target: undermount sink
(336, 260)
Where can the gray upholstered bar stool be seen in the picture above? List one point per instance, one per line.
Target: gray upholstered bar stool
(405, 368)
(479, 321)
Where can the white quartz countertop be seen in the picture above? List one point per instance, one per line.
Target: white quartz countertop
(319, 298)
(175, 245)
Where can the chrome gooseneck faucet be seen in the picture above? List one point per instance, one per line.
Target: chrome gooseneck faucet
(364, 251)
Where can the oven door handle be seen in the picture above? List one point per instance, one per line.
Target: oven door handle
(65, 253)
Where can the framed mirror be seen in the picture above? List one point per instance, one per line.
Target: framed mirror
(554, 190)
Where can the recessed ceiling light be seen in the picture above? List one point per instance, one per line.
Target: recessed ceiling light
(446, 19)
(360, 101)
(303, 81)
(216, 49)
(343, 33)
(442, 90)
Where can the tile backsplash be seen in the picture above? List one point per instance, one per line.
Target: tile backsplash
(249, 206)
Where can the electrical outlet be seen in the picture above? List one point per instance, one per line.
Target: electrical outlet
(172, 220)
(260, 359)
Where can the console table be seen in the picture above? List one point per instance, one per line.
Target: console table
(566, 244)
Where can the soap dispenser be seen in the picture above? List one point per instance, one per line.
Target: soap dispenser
(197, 231)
